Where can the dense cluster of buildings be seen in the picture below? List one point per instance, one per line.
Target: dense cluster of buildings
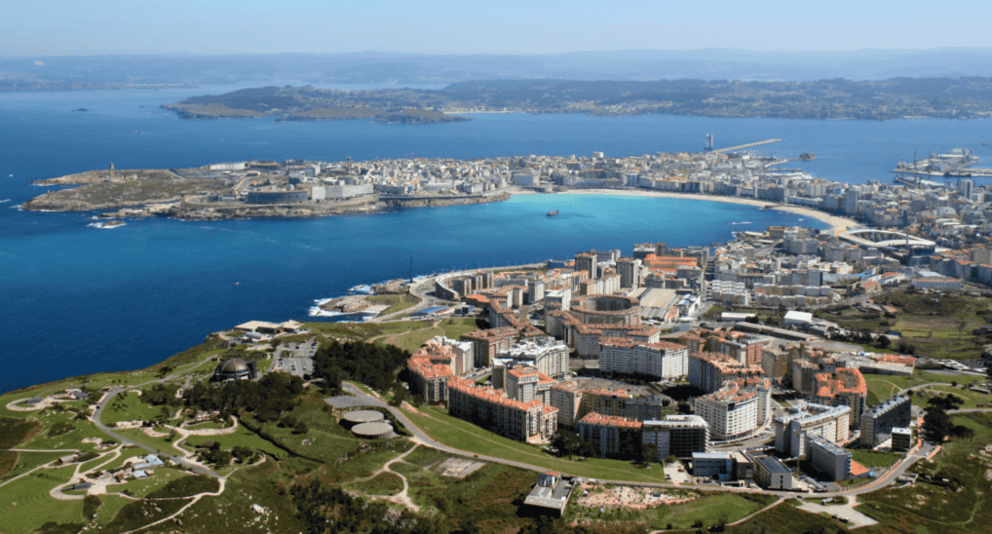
(606, 312)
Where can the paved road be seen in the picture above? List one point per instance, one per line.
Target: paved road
(421, 289)
(106, 430)
(889, 478)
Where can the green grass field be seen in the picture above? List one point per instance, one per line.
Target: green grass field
(144, 486)
(981, 423)
(325, 439)
(25, 503)
(71, 440)
(128, 407)
(884, 386)
(938, 327)
(138, 436)
(27, 461)
(454, 328)
(381, 484)
(395, 302)
(466, 436)
(870, 458)
(241, 438)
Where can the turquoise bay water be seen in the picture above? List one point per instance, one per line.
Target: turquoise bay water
(78, 299)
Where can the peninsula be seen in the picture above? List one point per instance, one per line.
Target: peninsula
(305, 188)
(823, 99)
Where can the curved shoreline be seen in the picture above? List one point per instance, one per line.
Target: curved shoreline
(838, 224)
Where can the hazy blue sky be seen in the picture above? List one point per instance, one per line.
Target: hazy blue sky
(49, 27)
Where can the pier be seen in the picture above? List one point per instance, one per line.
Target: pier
(749, 145)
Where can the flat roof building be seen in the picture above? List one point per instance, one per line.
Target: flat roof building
(772, 474)
(806, 419)
(833, 461)
(878, 422)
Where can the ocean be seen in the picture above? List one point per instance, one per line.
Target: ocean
(78, 299)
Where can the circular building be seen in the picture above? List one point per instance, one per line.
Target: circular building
(234, 369)
(373, 430)
(363, 416)
(607, 309)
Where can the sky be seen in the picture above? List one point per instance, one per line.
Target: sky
(94, 27)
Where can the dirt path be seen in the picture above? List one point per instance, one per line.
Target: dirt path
(403, 497)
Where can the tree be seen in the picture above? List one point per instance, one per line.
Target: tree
(566, 442)
(936, 424)
(884, 342)
(649, 453)
(587, 449)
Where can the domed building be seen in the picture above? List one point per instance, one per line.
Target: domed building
(235, 369)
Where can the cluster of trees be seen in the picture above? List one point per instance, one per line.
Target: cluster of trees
(373, 365)
(211, 453)
(568, 443)
(267, 399)
(323, 508)
(937, 425)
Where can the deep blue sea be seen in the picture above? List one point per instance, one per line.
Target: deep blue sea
(75, 300)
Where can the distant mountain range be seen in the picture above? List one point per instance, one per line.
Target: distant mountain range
(82, 72)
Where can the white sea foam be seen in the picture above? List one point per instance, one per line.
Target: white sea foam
(104, 226)
(364, 288)
(6, 200)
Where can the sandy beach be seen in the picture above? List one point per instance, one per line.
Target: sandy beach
(838, 224)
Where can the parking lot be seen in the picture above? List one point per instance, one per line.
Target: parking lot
(296, 358)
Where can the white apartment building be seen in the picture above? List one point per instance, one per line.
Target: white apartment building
(661, 360)
(737, 410)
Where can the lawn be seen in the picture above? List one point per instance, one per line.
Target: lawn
(468, 437)
(395, 302)
(127, 406)
(25, 503)
(112, 504)
(884, 386)
(55, 434)
(412, 341)
(241, 438)
(27, 461)
(454, 328)
(972, 399)
(870, 458)
(325, 439)
(158, 444)
(981, 423)
(144, 486)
